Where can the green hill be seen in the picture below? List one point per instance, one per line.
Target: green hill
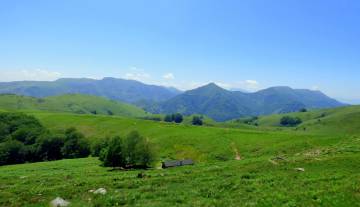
(73, 103)
(343, 120)
(266, 175)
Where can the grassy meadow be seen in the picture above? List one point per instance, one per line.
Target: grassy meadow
(266, 175)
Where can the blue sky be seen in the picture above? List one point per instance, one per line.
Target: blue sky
(248, 44)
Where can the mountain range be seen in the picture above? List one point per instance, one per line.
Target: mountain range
(129, 91)
(222, 105)
(210, 100)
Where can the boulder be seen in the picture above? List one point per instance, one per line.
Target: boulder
(300, 169)
(59, 202)
(101, 191)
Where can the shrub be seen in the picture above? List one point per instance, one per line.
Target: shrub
(133, 152)
(27, 135)
(168, 118)
(98, 145)
(197, 121)
(75, 145)
(290, 121)
(12, 152)
(49, 147)
(303, 110)
(178, 118)
(113, 155)
(138, 151)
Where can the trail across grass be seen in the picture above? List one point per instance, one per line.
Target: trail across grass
(266, 175)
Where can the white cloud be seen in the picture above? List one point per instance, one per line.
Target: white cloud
(315, 88)
(246, 85)
(33, 75)
(251, 85)
(137, 74)
(169, 76)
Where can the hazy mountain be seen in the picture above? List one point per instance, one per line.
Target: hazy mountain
(210, 100)
(129, 91)
(221, 104)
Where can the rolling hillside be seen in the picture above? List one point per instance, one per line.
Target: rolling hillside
(276, 168)
(344, 120)
(341, 120)
(222, 105)
(74, 103)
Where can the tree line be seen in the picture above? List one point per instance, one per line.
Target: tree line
(24, 139)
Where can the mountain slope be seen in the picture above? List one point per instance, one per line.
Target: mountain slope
(222, 105)
(341, 120)
(129, 91)
(209, 100)
(74, 103)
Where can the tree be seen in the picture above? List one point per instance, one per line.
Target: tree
(139, 152)
(133, 152)
(303, 110)
(27, 135)
(98, 145)
(75, 145)
(168, 118)
(113, 155)
(178, 118)
(197, 121)
(12, 152)
(290, 121)
(49, 147)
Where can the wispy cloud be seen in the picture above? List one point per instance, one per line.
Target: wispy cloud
(34, 75)
(315, 88)
(251, 85)
(169, 76)
(137, 74)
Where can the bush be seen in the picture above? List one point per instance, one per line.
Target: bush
(290, 121)
(98, 145)
(113, 155)
(133, 152)
(178, 118)
(138, 151)
(75, 145)
(12, 152)
(152, 118)
(303, 110)
(27, 135)
(197, 121)
(168, 118)
(49, 147)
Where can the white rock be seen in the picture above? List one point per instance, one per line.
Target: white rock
(101, 191)
(59, 202)
(300, 169)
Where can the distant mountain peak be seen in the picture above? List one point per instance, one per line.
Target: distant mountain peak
(221, 104)
(129, 91)
(210, 86)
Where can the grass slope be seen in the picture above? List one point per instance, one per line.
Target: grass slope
(74, 103)
(343, 120)
(331, 177)
(180, 141)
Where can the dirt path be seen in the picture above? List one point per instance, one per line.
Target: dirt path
(237, 154)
